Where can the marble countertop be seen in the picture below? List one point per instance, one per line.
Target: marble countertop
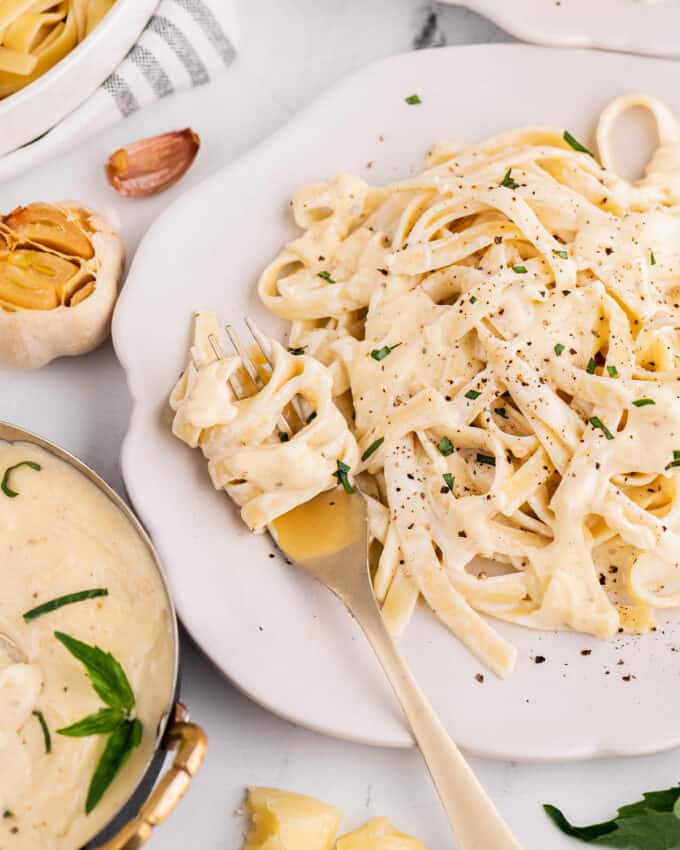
(291, 50)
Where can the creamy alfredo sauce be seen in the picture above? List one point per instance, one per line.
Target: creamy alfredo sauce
(61, 535)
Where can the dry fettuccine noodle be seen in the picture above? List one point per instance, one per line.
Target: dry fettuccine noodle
(36, 34)
(501, 334)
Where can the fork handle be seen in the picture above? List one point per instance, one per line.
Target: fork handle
(474, 819)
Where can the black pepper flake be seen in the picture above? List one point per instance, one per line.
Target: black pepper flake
(462, 534)
(479, 678)
(540, 659)
(586, 652)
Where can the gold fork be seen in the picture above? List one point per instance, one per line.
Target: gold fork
(328, 538)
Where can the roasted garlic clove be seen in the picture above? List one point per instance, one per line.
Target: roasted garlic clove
(152, 165)
(52, 227)
(60, 265)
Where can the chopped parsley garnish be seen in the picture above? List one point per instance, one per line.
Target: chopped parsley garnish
(675, 461)
(643, 402)
(613, 371)
(341, 475)
(449, 479)
(283, 437)
(59, 602)
(297, 351)
(47, 738)
(4, 485)
(508, 182)
(413, 99)
(381, 353)
(558, 349)
(473, 299)
(326, 276)
(652, 259)
(564, 255)
(590, 368)
(489, 460)
(472, 394)
(372, 448)
(519, 269)
(574, 143)
(500, 411)
(596, 422)
(445, 446)
(312, 416)
(7, 814)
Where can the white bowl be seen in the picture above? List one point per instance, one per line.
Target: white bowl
(35, 109)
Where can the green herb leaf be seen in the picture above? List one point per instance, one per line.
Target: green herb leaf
(574, 143)
(4, 486)
(381, 353)
(558, 349)
(613, 371)
(445, 446)
(122, 742)
(412, 99)
(675, 461)
(649, 824)
(508, 182)
(596, 422)
(489, 460)
(298, 352)
(519, 269)
(312, 416)
(449, 479)
(60, 601)
(341, 475)
(327, 277)
(104, 721)
(564, 255)
(473, 299)
(652, 259)
(500, 411)
(472, 394)
(283, 437)
(592, 365)
(372, 448)
(105, 673)
(47, 738)
(7, 814)
(643, 402)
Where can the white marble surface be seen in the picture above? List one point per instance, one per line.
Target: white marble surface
(291, 50)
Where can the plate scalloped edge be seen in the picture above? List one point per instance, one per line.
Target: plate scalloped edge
(551, 711)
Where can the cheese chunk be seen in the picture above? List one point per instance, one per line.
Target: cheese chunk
(378, 834)
(286, 821)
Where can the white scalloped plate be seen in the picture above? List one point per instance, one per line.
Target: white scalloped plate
(631, 26)
(280, 637)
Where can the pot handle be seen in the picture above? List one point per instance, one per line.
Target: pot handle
(191, 744)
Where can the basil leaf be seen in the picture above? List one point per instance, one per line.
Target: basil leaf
(341, 475)
(472, 394)
(297, 352)
(445, 446)
(326, 276)
(104, 721)
(381, 353)
(508, 182)
(413, 100)
(117, 751)
(489, 460)
(643, 402)
(519, 269)
(649, 824)
(596, 422)
(558, 349)
(449, 479)
(59, 602)
(106, 675)
(4, 486)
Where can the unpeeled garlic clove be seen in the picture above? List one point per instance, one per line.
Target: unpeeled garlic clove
(152, 165)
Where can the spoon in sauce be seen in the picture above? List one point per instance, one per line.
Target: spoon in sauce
(328, 538)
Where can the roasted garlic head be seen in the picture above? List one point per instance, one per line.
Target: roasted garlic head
(60, 266)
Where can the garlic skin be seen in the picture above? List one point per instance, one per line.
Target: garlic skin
(152, 165)
(32, 336)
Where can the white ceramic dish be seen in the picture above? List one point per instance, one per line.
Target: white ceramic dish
(280, 637)
(631, 26)
(37, 108)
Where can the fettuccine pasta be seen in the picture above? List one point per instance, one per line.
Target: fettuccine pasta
(36, 34)
(501, 333)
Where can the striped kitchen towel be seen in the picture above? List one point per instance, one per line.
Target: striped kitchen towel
(186, 43)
